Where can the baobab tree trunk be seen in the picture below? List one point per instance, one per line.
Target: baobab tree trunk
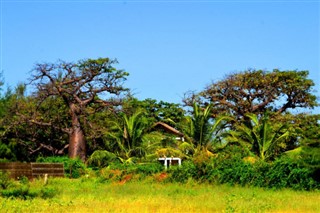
(77, 141)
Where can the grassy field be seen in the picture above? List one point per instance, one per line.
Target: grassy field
(92, 195)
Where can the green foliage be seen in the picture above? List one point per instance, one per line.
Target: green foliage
(283, 173)
(259, 136)
(201, 129)
(141, 168)
(156, 110)
(102, 158)
(129, 134)
(48, 192)
(73, 168)
(306, 140)
(20, 189)
(127, 172)
(200, 125)
(23, 190)
(169, 152)
(87, 195)
(29, 129)
(287, 173)
(22, 138)
(185, 172)
(258, 91)
(5, 180)
(7, 151)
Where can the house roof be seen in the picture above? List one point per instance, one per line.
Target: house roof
(167, 128)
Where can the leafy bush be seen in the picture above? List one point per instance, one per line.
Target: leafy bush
(25, 192)
(5, 180)
(285, 172)
(21, 189)
(183, 173)
(119, 172)
(143, 169)
(22, 192)
(149, 168)
(282, 173)
(235, 171)
(73, 168)
(102, 158)
(48, 192)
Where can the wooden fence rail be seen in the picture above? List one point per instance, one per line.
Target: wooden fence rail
(32, 170)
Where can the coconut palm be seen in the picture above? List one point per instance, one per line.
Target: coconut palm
(129, 133)
(201, 129)
(259, 136)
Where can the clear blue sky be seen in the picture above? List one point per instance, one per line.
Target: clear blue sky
(168, 47)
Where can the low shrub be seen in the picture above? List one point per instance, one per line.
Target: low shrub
(149, 168)
(21, 189)
(282, 173)
(101, 158)
(22, 192)
(183, 173)
(119, 172)
(285, 172)
(73, 168)
(220, 169)
(25, 192)
(5, 180)
(139, 168)
(48, 192)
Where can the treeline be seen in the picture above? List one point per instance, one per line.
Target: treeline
(83, 110)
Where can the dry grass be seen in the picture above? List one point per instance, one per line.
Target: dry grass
(90, 195)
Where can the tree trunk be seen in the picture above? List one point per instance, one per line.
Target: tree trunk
(77, 141)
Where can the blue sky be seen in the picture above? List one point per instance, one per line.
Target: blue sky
(168, 47)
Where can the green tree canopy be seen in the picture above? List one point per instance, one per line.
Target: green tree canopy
(258, 91)
(166, 112)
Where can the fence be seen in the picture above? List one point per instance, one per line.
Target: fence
(32, 170)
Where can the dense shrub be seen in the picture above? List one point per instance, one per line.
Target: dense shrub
(102, 158)
(73, 168)
(5, 180)
(21, 189)
(119, 172)
(285, 172)
(220, 169)
(25, 192)
(22, 192)
(234, 171)
(183, 173)
(141, 168)
(282, 173)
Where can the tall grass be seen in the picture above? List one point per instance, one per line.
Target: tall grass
(94, 195)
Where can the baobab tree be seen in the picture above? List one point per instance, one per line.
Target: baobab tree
(91, 82)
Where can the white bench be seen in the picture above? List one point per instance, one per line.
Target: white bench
(167, 162)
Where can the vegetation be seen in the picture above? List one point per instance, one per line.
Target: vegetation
(77, 85)
(240, 131)
(129, 134)
(256, 91)
(90, 194)
(259, 136)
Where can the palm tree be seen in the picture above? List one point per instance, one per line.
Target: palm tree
(129, 133)
(259, 136)
(201, 129)
(102, 158)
